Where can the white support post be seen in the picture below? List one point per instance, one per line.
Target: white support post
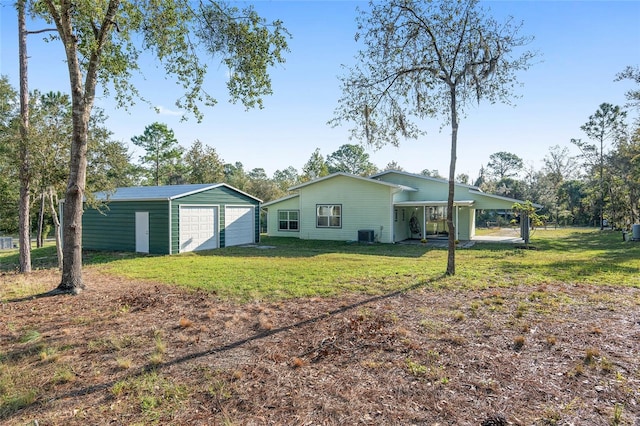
(457, 211)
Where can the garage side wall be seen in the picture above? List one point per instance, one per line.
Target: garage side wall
(220, 197)
(113, 228)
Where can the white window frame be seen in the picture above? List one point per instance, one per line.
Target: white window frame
(288, 220)
(331, 215)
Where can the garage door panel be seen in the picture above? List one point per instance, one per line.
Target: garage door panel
(198, 228)
(239, 225)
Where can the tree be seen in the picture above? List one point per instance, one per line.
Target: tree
(203, 163)
(393, 165)
(315, 167)
(427, 59)
(9, 184)
(633, 95)
(49, 142)
(351, 159)
(434, 173)
(605, 125)
(162, 152)
(235, 175)
(504, 164)
(24, 173)
(559, 166)
(261, 186)
(99, 42)
(463, 178)
(286, 178)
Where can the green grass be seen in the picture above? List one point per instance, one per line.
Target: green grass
(303, 268)
(154, 395)
(297, 268)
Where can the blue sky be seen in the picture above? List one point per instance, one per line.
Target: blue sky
(582, 45)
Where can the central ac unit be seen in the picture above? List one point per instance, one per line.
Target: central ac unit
(365, 236)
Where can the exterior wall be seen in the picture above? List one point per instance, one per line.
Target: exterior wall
(466, 219)
(485, 202)
(272, 218)
(220, 197)
(115, 228)
(364, 206)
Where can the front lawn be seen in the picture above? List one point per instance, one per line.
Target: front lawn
(295, 268)
(286, 267)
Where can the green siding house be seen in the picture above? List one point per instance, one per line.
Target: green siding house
(171, 219)
(387, 207)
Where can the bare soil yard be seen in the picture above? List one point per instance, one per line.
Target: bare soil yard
(137, 353)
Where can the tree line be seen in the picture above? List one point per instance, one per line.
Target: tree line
(602, 184)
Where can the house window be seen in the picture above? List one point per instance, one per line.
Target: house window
(329, 215)
(288, 220)
(395, 215)
(403, 217)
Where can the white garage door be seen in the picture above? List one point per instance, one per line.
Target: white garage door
(238, 226)
(198, 228)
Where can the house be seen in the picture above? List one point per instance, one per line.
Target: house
(171, 219)
(387, 207)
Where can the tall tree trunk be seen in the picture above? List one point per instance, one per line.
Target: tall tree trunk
(82, 98)
(72, 281)
(602, 181)
(39, 236)
(24, 235)
(451, 254)
(56, 225)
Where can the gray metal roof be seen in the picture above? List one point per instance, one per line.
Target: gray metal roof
(149, 193)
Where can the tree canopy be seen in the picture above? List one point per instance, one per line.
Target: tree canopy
(103, 41)
(427, 59)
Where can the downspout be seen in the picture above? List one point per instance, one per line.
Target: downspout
(392, 226)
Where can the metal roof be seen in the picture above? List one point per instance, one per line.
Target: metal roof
(157, 193)
(433, 203)
(364, 179)
(441, 180)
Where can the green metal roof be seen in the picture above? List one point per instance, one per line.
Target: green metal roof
(156, 193)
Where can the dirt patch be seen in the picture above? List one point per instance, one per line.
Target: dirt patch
(553, 354)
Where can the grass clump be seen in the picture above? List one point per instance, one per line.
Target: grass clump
(11, 403)
(159, 348)
(151, 395)
(591, 355)
(30, 336)
(64, 374)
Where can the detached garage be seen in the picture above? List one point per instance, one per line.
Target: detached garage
(172, 219)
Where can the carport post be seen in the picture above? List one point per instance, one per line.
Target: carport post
(457, 212)
(424, 222)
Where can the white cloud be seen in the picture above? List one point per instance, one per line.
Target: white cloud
(166, 111)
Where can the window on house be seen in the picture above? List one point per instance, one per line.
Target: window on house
(329, 215)
(395, 215)
(403, 217)
(288, 220)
